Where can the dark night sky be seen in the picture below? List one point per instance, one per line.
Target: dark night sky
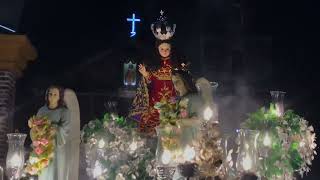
(68, 33)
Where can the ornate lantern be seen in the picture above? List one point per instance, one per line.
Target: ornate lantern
(247, 160)
(15, 155)
(168, 151)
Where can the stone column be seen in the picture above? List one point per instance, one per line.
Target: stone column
(15, 52)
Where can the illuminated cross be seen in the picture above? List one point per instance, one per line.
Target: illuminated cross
(133, 21)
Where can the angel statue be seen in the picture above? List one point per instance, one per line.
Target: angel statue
(62, 108)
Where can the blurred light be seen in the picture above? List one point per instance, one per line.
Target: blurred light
(247, 163)
(267, 140)
(166, 157)
(207, 114)
(189, 153)
(15, 161)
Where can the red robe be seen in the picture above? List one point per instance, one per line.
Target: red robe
(159, 87)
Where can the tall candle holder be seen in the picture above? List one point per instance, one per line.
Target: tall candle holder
(15, 155)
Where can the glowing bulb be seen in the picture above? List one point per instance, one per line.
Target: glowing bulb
(133, 146)
(15, 161)
(189, 153)
(101, 143)
(207, 114)
(166, 157)
(267, 140)
(247, 163)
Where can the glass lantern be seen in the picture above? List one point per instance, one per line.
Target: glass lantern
(15, 155)
(187, 165)
(229, 146)
(277, 99)
(169, 150)
(248, 158)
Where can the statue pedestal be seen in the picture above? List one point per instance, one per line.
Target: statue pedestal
(126, 95)
(127, 92)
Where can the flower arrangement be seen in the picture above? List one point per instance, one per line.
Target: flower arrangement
(171, 111)
(114, 150)
(210, 152)
(290, 140)
(42, 134)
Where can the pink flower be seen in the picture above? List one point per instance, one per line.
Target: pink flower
(44, 141)
(38, 150)
(36, 143)
(183, 113)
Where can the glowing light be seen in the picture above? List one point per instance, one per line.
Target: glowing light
(133, 21)
(207, 114)
(15, 161)
(166, 157)
(247, 163)
(267, 140)
(101, 143)
(6, 28)
(189, 153)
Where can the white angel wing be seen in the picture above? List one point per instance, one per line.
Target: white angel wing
(210, 107)
(73, 146)
(72, 104)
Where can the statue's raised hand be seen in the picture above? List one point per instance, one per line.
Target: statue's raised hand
(143, 71)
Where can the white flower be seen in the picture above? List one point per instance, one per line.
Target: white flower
(91, 125)
(33, 159)
(184, 103)
(120, 177)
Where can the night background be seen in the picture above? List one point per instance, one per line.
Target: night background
(248, 47)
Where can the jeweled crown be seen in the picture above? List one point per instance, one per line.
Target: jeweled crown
(162, 29)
